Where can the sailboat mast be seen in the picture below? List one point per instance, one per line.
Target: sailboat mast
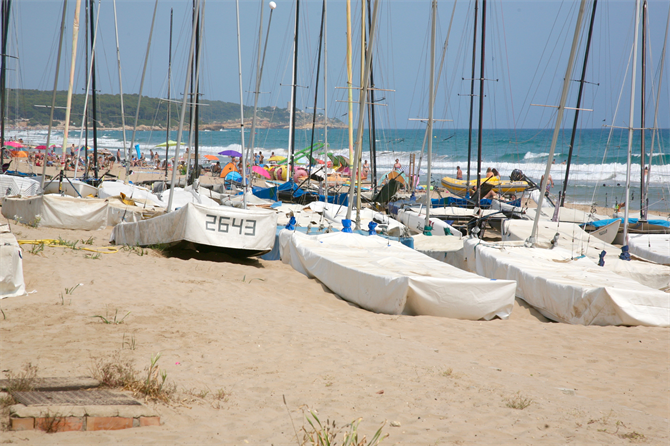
(118, 63)
(559, 119)
(184, 101)
(472, 98)
(371, 120)
(431, 103)
(478, 195)
(291, 148)
(169, 104)
(239, 67)
(53, 95)
(260, 61)
(579, 103)
(350, 93)
(631, 116)
(139, 96)
(358, 158)
(68, 103)
(93, 97)
(6, 7)
(325, 94)
(643, 87)
(316, 90)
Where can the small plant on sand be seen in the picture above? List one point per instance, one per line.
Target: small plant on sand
(88, 241)
(134, 249)
(50, 423)
(325, 434)
(119, 373)
(36, 249)
(448, 373)
(68, 292)
(4, 316)
(633, 436)
(67, 243)
(22, 381)
(244, 279)
(128, 343)
(36, 221)
(93, 256)
(518, 402)
(112, 321)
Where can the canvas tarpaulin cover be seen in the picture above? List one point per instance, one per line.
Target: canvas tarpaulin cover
(221, 226)
(567, 288)
(11, 266)
(387, 277)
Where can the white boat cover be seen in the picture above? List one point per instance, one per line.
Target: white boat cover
(416, 221)
(220, 226)
(336, 213)
(73, 188)
(654, 247)
(14, 185)
(387, 277)
(568, 289)
(55, 211)
(116, 188)
(579, 242)
(11, 265)
(448, 249)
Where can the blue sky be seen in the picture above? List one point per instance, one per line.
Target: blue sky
(527, 47)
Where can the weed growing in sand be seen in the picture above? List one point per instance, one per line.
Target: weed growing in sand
(119, 373)
(320, 434)
(633, 436)
(4, 316)
(518, 402)
(50, 423)
(88, 241)
(134, 249)
(67, 243)
(448, 373)
(68, 292)
(36, 221)
(161, 248)
(93, 256)
(36, 249)
(108, 320)
(244, 279)
(128, 343)
(22, 381)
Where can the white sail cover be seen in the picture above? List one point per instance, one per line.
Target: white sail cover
(579, 242)
(387, 277)
(55, 211)
(13, 185)
(447, 249)
(654, 247)
(569, 289)
(415, 221)
(221, 227)
(11, 266)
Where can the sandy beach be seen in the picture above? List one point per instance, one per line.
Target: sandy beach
(236, 336)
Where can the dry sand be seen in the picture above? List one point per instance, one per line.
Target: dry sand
(259, 331)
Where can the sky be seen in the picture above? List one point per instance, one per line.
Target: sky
(527, 44)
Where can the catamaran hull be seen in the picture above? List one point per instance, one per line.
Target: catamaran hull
(241, 232)
(458, 187)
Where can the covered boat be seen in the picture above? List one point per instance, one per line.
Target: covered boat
(459, 187)
(387, 277)
(11, 265)
(239, 232)
(653, 247)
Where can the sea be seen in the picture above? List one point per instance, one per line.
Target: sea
(597, 172)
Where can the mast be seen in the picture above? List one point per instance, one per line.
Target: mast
(478, 195)
(139, 96)
(350, 80)
(325, 94)
(118, 60)
(579, 103)
(371, 119)
(630, 123)
(239, 67)
(95, 125)
(182, 112)
(195, 88)
(68, 104)
(291, 136)
(316, 90)
(169, 104)
(259, 67)
(6, 7)
(559, 119)
(472, 99)
(643, 77)
(360, 153)
(361, 114)
(53, 95)
(431, 103)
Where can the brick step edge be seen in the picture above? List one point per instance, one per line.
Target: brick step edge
(69, 424)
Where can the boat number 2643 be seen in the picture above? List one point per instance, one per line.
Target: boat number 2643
(229, 225)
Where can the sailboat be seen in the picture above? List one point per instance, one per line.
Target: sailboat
(559, 284)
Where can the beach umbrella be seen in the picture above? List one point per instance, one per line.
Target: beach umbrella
(262, 172)
(230, 153)
(212, 157)
(277, 158)
(171, 143)
(16, 144)
(55, 146)
(42, 147)
(19, 154)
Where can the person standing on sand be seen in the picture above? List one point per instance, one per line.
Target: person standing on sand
(397, 166)
(459, 173)
(260, 158)
(366, 169)
(550, 184)
(118, 155)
